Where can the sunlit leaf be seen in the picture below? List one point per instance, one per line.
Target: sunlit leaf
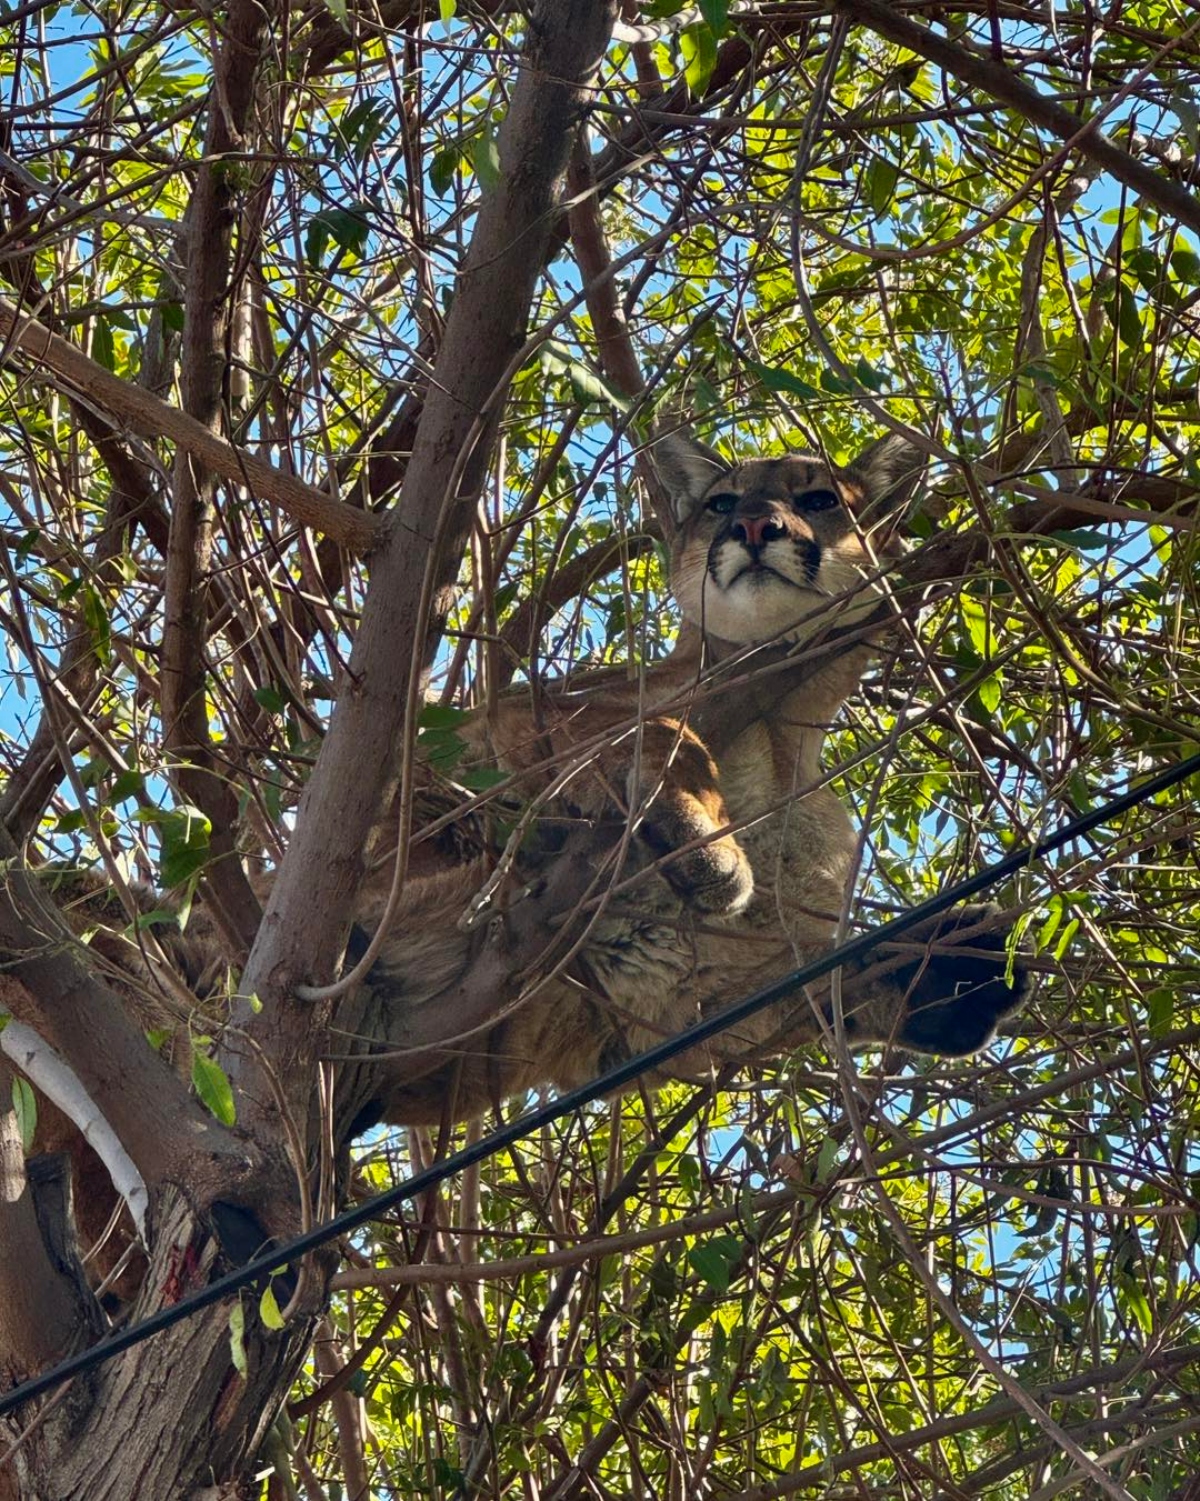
(212, 1085)
(485, 158)
(699, 49)
(713, 1261)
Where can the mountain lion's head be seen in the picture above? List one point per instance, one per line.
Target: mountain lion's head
(763, 547)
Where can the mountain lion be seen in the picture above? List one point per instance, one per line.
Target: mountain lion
(736, 858)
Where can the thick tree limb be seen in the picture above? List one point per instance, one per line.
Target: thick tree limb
(618, 358)
(210, 292)
(40, 1302)
(146, 415)
(166, 1133)
(308, 916)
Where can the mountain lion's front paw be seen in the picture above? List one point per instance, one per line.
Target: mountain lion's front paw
(715, 878)
(957, 991)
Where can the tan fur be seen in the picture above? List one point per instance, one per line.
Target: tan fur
(781, 558)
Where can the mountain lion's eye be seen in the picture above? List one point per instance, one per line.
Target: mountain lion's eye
(818, 500)
(722, 504)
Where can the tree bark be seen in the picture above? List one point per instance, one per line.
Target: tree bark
(307, 920)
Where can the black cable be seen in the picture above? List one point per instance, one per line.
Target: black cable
(506, 1136)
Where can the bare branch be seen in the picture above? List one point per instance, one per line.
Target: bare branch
(43, 1067)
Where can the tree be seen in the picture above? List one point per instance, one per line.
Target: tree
(331, 340)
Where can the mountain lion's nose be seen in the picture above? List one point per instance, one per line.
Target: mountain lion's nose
(756, 531)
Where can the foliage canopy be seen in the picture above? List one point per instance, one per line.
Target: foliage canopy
(795, 222)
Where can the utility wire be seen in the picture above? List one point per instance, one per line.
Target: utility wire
(615, 1078)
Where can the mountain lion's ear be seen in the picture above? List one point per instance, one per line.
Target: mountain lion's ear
(687, 469)
(888, 472)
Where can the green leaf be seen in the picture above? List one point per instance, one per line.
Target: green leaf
(362, 127)
(1123, 310)
(1081, 538)
(699, 49)
(1160, 1009)
(119, 317)
(714, 1261)
(128, 784)
(1064, 941)
(348, 228)
(716, 15)
(832, 382)
(446, 10)
(213, 1087)
(591, 388)
(441, 717)
(268, 1309)
(976, 621)
(480, 778)
(316, 242)
(337, 9)
(485, 158)
(505, 596)
(443, 169)
(1055, 909)
(95, 617)
(442, 749)
(446, 1476)
(874, 380)
(160, 917)
(24, 1103)
(880, 183)
(1186, 265)
(1137, 1303)
(1147, 267)
(103, 351)
(185, 833)
(782, 381)
(270, 699)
